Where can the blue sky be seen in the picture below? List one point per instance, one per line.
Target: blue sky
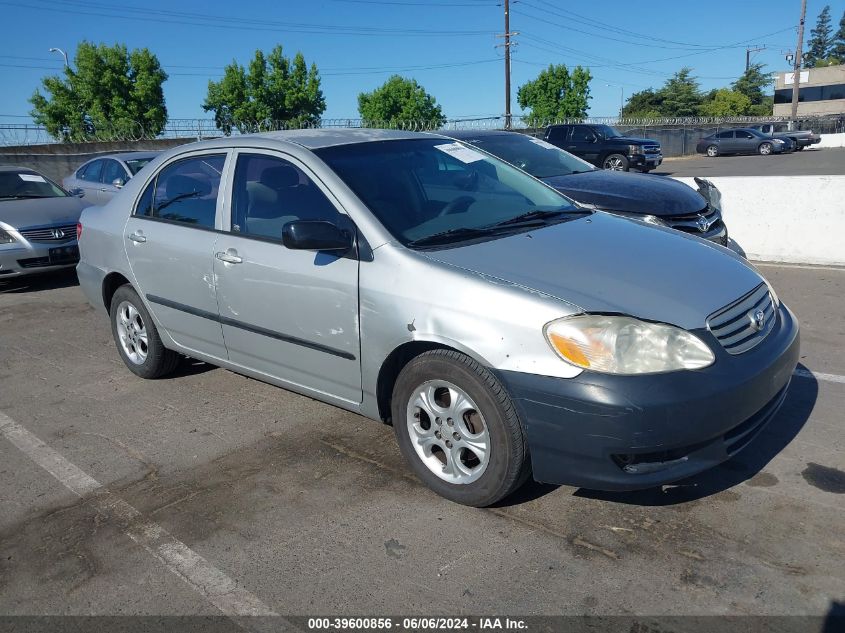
(449, 46)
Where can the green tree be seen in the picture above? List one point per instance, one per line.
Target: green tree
(753, 84)
(645, 104)
(819, 48)
(839, 41)
(273, 89)
(556, 94)
(398, 100)
(680, 95)
(111, 93)
(726, 102)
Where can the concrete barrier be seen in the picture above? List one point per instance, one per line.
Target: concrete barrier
(831, 140)
(790, 219)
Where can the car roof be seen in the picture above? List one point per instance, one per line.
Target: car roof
(15, 168)
(124, 156)
(319, 138)
(468, 134)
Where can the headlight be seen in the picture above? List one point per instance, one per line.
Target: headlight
(625, 345)
(5, 237)
(778, 141)
(648, 219)
(635, 149)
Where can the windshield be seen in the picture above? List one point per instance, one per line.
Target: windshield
(422, 188)
(608, 131)
(17, 185)
(538, 158)
(135, 164)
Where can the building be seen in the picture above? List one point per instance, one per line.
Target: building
(821, 92)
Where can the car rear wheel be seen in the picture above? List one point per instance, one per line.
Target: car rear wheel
(712, 151)
(458, 429)
(765, 149)
(137, 338)
(615, 162)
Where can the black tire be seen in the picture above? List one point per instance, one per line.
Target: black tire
(615, 159)
(159, 360)
(765, 149)
(799, 148)
(509, 464)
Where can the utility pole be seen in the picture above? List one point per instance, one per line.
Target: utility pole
(796, 68)
(507, 46)
(748, 52)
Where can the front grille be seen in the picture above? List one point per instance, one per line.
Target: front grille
(744, 323)
(651, 149)
(67, 232)
(692, 222)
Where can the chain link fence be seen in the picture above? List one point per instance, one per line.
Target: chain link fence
(678, 136)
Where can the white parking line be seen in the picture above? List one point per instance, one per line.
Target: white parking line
(804, 373)
(220, 590)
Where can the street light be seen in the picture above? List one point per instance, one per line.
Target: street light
(621, 97)
(58, 50)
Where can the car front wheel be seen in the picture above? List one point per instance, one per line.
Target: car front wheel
(137, 338)
(765, 149)
(458, 429)
(616, 162)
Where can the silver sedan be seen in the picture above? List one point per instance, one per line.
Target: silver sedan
(37, 223)
(504, 331)
(98, 179)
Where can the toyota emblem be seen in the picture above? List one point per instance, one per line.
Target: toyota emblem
(703, 223)
(758, 320)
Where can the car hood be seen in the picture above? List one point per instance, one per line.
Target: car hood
(608, 264)
(634, 140)
(633, 193)
(22, 214)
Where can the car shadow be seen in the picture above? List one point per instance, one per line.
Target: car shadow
(793, 415)
(39, 282)
(190, 367)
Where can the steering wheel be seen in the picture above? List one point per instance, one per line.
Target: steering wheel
(458, 205)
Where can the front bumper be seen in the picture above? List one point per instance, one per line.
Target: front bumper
(649, 161)
(632, 432)
(20, 258)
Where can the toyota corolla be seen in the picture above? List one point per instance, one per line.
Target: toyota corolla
(504, 331)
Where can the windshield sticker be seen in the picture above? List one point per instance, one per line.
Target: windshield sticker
(32, 177)
(541, 143)
(463, 154)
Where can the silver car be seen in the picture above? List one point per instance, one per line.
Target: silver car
(37, 223)
(98, 179)
(504, 331)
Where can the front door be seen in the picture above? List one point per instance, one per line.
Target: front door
(289, 314)
(170, 242)
(583, 142)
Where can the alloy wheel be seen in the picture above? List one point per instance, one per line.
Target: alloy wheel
(132, 333)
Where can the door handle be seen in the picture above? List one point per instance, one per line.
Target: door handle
(137, 237)
(229, 257)
(103, 189)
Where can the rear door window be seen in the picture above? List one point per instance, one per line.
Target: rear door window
(558, 134)
(185, 192)
(724, 135)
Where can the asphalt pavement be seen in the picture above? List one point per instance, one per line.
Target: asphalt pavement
(208, 490)
(810, 162)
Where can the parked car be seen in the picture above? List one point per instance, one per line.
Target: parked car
(648, 198)
(100, 178)
(37, 223)
(741, 141)
(605, 147)
(504, 331)
(799, 138)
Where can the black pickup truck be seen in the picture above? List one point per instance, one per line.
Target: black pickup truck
(604, 147)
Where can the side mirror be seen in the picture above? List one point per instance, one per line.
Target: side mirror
(316, 235)
(118, 182)
(78, 192)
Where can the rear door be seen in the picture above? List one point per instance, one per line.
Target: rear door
(558, 135)
(289, 314)
(726, 143)
(170, 240)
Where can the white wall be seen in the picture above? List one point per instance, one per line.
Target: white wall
(792, 219)
(831, 140)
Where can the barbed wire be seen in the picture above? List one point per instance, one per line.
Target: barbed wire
(26, 134)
